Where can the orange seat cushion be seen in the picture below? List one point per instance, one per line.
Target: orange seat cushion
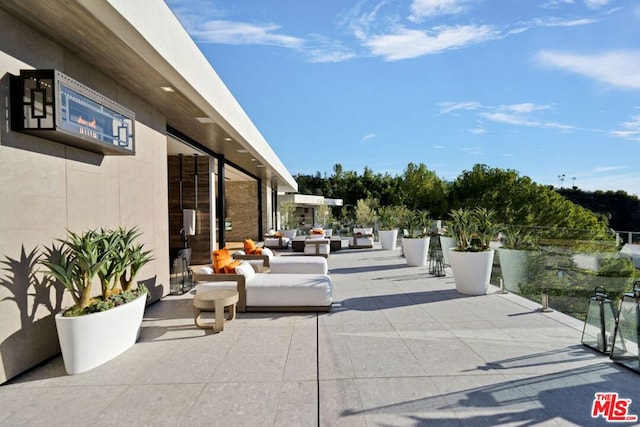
(221, 257)
(249, 246)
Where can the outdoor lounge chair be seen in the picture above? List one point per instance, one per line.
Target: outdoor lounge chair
(270, 292)
(362, 238)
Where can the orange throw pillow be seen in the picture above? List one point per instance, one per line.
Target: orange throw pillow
(278, 234)
(221, 257)
(249, 246)
(317, 231)
(231, 267)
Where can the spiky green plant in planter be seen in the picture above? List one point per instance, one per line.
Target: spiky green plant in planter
(110, 255)
(416, 223)
(473, 229)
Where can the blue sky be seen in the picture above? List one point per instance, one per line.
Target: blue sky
(547, 88)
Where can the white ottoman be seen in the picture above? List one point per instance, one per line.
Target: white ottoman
(319, 247)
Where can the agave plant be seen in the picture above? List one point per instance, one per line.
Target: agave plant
(461, 228)
(76, 262)
(138, 258)
(111, 255)
(473, 229)
(124, 261)
(416, 223)
(486, 229)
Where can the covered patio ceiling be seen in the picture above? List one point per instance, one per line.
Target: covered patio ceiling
(148, 52)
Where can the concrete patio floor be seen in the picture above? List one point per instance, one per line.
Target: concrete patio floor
(399, 348)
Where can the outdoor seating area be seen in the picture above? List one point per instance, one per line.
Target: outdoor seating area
(399, 347)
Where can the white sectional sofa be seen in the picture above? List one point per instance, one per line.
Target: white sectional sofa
(270, 292)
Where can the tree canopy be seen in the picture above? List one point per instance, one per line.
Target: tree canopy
(515, 199)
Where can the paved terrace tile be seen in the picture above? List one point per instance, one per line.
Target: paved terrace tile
(399, 348)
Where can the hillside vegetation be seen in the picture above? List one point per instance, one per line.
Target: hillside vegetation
(516, 199)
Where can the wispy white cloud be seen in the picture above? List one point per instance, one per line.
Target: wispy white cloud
(555, 4)
(629, 129)
(421, 9)
(439, 147)
(522, 114)
(591, 4)
(405, 43)
(596, 4)
(448, 107)
(474, 151)
(478, 131)
(619, 69)
(208, 28)
(601, 169)
(549, 22)
(525, 107)
(232, 32)
(368, 137)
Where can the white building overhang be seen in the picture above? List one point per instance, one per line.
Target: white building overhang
(142, 46)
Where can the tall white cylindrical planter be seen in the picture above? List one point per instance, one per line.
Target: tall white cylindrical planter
(415, 251)
(289, 234)
(471, 270)
(89, 341)
(388, 239)
(447, 243)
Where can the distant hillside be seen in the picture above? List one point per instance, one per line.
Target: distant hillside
(622, 209)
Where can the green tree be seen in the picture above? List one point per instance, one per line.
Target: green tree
(421, 189)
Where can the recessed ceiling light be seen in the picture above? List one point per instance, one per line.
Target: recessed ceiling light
(228, 139)
(243, 151)
(205, 119)
(253, 160)
(167, 88)
(261, 166)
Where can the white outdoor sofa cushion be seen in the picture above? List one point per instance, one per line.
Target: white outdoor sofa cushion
(270, 292)
(292, 264)
(276, 242)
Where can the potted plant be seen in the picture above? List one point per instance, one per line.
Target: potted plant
(289, 219)
(365, 216)
(388, 221)
(325, 219)
(472, 258)
(517, 257)
(415, 241)
(98, 328)
(447, 241)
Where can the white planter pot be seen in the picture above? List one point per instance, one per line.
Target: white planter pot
(447, 243)
(91, 340)
(516, 267)
(289, 234)
(415, 251)
(471, 271)
(388, 239)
